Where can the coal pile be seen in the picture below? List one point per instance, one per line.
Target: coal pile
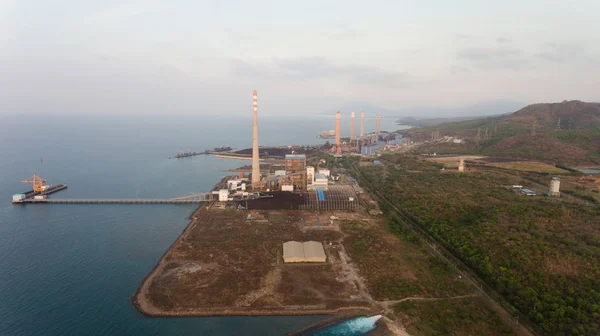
(281, 200)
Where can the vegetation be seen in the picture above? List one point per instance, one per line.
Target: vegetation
(564, 133)
(409, 270)
(540, 254)
(450, 317)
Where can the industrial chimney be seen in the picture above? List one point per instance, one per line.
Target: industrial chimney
(362, 123)
(352, 126)
(338, 144)
(255, 163)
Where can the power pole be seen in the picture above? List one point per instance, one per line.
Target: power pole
(558, 125)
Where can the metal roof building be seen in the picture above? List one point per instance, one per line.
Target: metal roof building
(293, 251)
(314, 252)
(310, 251)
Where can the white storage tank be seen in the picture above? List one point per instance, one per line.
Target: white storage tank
(555, 186)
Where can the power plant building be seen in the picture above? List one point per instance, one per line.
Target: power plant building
(371, 149)
(295, 169)
(310, 251)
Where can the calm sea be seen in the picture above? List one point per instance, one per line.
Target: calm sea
(71, 269)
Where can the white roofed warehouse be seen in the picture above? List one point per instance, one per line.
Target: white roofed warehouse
(293, 252)
(310, 251)
(314, 252)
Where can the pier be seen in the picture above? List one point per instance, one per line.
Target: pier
(112, 201)
(191, 199)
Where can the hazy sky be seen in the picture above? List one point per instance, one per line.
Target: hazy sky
(106, 56)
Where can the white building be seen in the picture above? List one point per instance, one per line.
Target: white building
(310, 251)
(325, 172)
(223, 195)
(310, 174)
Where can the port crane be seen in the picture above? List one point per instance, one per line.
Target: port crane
(39, 184)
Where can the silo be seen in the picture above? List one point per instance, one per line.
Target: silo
(461, 165)
(555, 186)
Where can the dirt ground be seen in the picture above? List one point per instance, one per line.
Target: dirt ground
(230, 262)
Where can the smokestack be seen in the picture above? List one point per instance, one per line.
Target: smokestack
(375, 135)
(362, 123)
(255, 163)
(337, 134)
(352, 126)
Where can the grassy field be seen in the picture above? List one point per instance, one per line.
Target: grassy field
(459, 317)
(409, 269)
(532, 166)
(396, 266)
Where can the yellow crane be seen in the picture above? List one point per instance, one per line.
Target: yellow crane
(39, 184)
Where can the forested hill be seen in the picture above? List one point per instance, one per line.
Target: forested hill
(567, 132)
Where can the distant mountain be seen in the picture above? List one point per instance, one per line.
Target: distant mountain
(489, 108)
(482, 109)
(566, 132)
(424, 122)
(573, 114)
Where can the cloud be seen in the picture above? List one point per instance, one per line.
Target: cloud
(319, 67)
(461, 37)
(502, 40)
(494, 58)
(246, 69)
(123, 12)
(455, 69)
(348, 34)
(309, 68)
(561, 52)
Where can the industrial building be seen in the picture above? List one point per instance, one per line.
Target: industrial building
(295, 170)
(310, 175)
(310, 251)
(320, 181)
(371, 149)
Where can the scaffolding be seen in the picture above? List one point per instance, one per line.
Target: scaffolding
(295, 168)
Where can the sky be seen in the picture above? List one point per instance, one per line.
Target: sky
(303, 57)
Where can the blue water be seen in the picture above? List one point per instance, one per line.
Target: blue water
(590, 170)
(353, 327)
(71, 269)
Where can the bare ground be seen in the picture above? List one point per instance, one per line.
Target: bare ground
(227, 264)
